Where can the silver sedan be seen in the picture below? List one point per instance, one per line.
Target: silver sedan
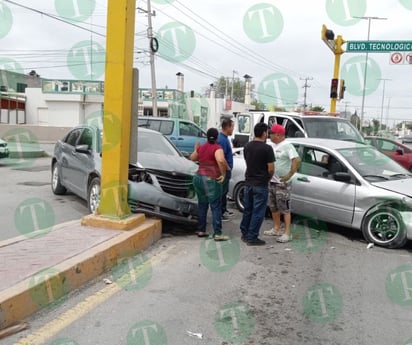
(348, 184)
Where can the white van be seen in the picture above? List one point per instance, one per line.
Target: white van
(296, 125)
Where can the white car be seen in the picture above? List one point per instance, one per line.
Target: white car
(346, 183)
(4, 150)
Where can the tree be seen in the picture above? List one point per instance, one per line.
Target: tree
(317, 108)
(223, 87)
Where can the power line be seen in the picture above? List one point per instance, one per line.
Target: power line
(53, 17)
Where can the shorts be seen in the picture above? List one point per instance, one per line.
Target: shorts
(279, 197)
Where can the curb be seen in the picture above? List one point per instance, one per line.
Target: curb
(17, 303)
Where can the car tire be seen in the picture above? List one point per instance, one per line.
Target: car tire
(238, 196)
(384, 227)
(93, 195)
(56, 185)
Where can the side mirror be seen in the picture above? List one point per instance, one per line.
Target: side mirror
(82, 149)
(342, 176)
(399, 152)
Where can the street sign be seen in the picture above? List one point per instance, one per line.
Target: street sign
(397, 58)
(378, 46)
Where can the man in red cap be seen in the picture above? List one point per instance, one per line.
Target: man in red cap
(287, 163)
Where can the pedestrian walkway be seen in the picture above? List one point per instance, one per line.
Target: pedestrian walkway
(37, 270)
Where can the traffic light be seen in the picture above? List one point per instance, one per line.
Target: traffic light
(338, 47)
(342, 89)
(334, 88)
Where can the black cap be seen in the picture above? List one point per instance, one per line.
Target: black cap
(212, 134)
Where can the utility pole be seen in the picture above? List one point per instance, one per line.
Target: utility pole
(153, 47)
(383, 100)
(366, 64)
(305, 86)
(233, 83)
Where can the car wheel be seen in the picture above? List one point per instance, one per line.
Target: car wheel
(56, 185)
(93, 195)
(385, 228)
(238, 196)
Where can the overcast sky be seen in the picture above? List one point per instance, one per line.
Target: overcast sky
(278, 43)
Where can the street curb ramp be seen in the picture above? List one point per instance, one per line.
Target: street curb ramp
(27, 297)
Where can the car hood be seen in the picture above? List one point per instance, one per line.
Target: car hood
(401, 186)
(166, 163)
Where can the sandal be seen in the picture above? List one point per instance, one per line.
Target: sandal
(221, 238)
(284, 238)
(202, 234)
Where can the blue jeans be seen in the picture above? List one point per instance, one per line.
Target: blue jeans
(225, 190)
(255, 202)
(209, 192)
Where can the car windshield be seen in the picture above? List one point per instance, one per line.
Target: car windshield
(151, 142)
(372, 164)
(332, 129)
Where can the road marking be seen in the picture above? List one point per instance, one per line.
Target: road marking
(50, 329)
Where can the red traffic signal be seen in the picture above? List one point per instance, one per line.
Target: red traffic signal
(334, 88)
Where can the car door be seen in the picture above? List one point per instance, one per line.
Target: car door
(79, 164)
(393, 150)
(316, 193)
(189, 134)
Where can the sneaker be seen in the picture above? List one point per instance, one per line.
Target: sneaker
(284, 238)
(229, 213)
(273, 232)
(221, 237)
(256, 242)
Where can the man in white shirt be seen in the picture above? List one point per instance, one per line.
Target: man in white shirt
(286, 164)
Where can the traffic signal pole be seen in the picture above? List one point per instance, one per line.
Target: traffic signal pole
(335, 45)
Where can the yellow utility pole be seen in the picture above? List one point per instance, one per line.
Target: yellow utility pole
(117, 109)
(335, 45)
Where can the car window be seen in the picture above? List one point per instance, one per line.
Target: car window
(319, 163)
(86, 138)
(163, 126)
(243, 124)
(386, 145)
(371, 163)
(73, 136)
(155, 143)
(187, 128)
(329, 128)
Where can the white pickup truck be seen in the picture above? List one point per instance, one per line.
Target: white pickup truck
(296, 125)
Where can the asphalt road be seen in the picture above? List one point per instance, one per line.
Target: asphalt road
(324, 287)
(27, 182)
